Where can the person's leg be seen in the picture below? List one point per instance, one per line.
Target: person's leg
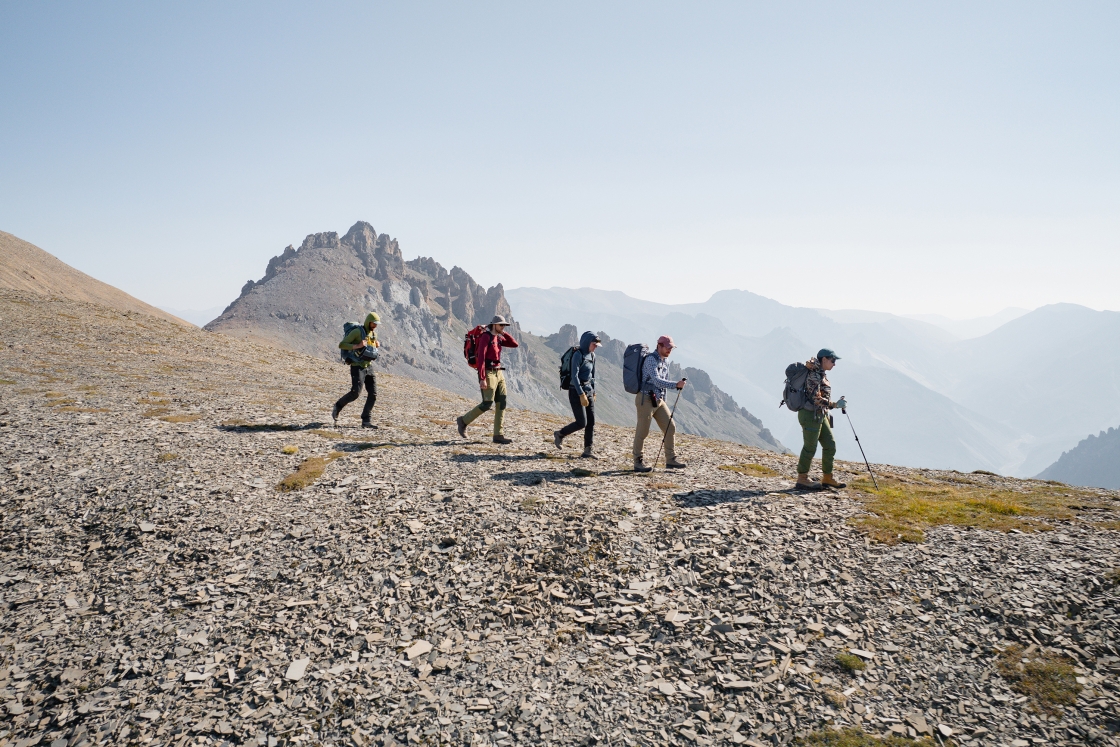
(810, 434)
(355, 390)
(499, 401)
(589, 431)
(486, 403)
(828, 446)
(577, 411)
(644, 406)
(371, 392)
(668, 429)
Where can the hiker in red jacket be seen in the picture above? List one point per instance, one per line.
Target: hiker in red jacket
(491, 380)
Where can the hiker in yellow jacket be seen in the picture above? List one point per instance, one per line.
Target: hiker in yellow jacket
(361, 372)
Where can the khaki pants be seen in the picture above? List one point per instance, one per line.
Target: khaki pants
(646, 412)
(493, 395)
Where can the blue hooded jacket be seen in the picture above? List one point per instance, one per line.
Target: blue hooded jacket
(583, 365)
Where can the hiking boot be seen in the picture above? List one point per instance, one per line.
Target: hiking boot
(461, 426)
(558, 439)
(804, 482)
(639, 466)
(827, 481)
(675, 463)
(367, 424)
(334, 414)
(502, 440)
(587, 454)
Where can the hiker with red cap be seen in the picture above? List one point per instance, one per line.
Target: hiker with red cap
(650, 402)
(487, 358)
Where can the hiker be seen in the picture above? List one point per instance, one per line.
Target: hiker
(650, 402)
(491, 380)
(816, 424)
(581, 394)
(353, 347)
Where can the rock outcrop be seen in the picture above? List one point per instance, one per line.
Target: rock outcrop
(1095, 461)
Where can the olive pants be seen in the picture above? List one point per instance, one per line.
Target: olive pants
(494, 395)
(658, 412)
(815, 428)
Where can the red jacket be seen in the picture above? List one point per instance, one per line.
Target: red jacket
(489, 353)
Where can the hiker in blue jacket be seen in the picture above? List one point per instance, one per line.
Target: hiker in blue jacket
(581, 395)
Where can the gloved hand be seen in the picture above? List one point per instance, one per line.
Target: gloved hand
(842, 403)
(583, 399)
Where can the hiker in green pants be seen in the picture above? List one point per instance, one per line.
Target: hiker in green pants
(814, 422)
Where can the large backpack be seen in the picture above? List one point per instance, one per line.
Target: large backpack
(795, 397)
(566, 369)
(356, 356)
(470, 345)
(633, 361)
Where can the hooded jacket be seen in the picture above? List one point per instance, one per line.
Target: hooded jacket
(583, 366)
(350, 342)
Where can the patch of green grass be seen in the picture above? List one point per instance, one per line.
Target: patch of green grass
(754, 470)
(6, 381)
(581, 472)
(902, 508)
(850, 662)
(167, 456)
(1048, 679)
(852, 737)
(289, 449)
(309, 471)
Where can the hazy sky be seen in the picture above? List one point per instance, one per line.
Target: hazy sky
(907, 157)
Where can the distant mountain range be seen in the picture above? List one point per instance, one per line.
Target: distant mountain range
(306, 295)
(1095, 462)
(1009, 401)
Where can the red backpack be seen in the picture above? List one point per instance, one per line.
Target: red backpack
(470, 345)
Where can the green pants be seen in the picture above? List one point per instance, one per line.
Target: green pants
(494, 395)
(812, 431)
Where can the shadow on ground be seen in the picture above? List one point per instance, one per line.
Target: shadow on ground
(715, 497)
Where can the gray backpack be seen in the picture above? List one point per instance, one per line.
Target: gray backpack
(795, 397)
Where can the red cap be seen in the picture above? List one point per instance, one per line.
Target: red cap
(666, 340)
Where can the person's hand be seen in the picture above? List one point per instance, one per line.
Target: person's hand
(842, 403)
(680, 384)
(482, 386)
(583, 399)
(359, 344)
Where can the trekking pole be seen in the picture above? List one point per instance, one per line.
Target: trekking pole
(664, 435)
(849, 417)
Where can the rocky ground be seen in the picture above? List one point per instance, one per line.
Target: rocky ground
(158, 589)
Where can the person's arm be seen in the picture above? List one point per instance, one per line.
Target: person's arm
(350, 341)
(507, 341)
(577, 361)
(650, 374)
(813, 389)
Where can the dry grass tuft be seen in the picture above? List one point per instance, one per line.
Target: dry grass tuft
(433, 421)
(850, 662)
(155, 412)
(854, 737)
(662, 486)
(182, 418)
(153, 402)
(309, 471)
(84, 409)
(903, 507)
(289, 449)
(754, 470)
(167, 456)
(1048, 679)
(6, 381)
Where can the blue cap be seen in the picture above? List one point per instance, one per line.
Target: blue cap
(826, 353)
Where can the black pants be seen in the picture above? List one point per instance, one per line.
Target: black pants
(357, 377)
(585, 418)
